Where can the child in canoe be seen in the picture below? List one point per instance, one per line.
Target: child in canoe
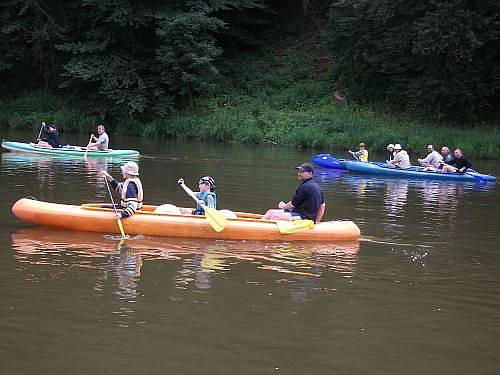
(206, 196)
(131, 194)
(362, 154)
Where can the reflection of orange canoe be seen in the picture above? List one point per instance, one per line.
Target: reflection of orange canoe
(44, 246)
(92, 218)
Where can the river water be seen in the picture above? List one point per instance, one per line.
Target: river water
(419, 294)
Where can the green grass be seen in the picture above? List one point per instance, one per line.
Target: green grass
(285, 98)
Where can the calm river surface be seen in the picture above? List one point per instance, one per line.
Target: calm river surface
(419, 294)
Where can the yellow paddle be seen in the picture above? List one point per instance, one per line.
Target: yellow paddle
(214, 217)
(116, 212)
(289, 227)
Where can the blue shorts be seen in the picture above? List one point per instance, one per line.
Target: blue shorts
(295, 215)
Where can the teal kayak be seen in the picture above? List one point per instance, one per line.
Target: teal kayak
(64, 150)
(417, 172)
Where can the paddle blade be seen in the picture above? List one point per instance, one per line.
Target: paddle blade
(215, 219)
(289, 227)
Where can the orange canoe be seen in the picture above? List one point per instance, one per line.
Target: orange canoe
(93, 218)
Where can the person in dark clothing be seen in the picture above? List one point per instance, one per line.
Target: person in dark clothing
(458, 164)
(390, 152)
(50, 136)
(307, 202)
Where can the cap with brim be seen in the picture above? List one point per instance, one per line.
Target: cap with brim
(362, 144)
(397, 146)
(130, 168)
(390, 145)
(306, 167)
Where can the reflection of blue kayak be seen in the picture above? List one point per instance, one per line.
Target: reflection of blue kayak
(329, 161)
(63, 151)
(415, 172)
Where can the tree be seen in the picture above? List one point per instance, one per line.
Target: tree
(436, 57)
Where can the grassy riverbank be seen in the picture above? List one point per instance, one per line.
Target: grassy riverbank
(280, 98)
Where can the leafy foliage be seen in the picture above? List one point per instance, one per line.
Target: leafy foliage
(434, 57)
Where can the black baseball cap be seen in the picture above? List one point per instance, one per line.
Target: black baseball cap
(306, 167)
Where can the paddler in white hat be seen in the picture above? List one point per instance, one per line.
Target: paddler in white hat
(130, 190)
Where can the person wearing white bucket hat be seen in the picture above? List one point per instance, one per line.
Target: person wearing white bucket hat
(131, 193)
(401, 158)
(390, 153)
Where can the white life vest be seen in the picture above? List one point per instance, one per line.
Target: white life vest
(140, 195)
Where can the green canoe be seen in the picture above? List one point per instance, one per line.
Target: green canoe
(65, 150)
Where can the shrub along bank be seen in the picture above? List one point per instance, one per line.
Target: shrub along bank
(284, 99)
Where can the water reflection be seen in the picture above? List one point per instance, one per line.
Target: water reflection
(201, 260)
(396, 194)
(124, 265)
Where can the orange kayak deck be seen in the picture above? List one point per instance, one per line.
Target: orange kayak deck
(93, 218)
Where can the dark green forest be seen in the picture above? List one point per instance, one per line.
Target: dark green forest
(257, 71)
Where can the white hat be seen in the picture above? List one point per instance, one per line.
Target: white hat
(390, 145)
(397, 146)
(130, 168)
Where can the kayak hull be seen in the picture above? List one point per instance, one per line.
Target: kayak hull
(328, 161)
(63, 151)
(416, 172)
(92, 218)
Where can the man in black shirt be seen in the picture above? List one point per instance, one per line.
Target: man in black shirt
(307, 202)
(458, 164)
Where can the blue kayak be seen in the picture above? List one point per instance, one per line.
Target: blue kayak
(416, 172)
(329, 161)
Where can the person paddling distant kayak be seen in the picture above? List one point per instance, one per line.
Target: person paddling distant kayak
(390, 153)
(307, 202)
(433, 159)
(131, 193)
(458, 164)
(50, 137)
(446, 154)
(101, 143)
(401, 158)
(362, 154)
(206, 196)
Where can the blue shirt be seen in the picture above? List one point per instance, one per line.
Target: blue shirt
(307, 199)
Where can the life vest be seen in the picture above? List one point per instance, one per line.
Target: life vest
(364, 156)
(203, 195)
(140, 195)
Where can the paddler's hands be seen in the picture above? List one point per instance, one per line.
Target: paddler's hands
(180, 181)
(281, 205)
(118, 216)
(107, 175)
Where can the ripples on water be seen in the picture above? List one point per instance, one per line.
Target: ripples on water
(423, 279)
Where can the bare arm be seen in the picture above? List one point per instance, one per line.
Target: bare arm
(286, 206)
(321, 212)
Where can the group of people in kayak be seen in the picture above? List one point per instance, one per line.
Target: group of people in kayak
(49, 137)
(434, 161)
(307, 202)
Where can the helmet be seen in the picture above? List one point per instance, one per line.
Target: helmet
(209, 181)
(397, 146)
